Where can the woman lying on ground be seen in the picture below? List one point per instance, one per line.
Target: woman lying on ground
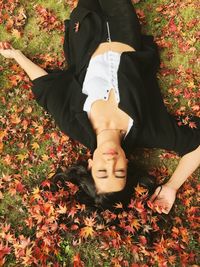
(109, 100)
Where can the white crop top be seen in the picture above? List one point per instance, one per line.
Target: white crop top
(101, 77)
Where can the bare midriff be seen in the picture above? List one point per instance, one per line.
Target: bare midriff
(106, 114)
(114, 46)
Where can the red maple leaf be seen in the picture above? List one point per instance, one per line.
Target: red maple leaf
(77, 262)
(4, 250)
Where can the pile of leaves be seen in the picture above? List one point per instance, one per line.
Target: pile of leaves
(47, 20)
(13, 16)
(41, 227)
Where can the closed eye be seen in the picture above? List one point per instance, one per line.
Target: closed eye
(117, 172)
(101, 172)
(120, 172)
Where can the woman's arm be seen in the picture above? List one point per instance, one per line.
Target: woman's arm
(29, 67)
(187, 165)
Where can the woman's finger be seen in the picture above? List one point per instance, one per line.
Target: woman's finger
(164, 207)
(5, 45)
(166, 211)
(156, 193)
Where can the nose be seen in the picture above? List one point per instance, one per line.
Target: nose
(110, 157)
(110, 164)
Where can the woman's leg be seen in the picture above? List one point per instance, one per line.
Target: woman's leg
(123, 22)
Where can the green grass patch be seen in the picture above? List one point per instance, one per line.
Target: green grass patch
(11, 208)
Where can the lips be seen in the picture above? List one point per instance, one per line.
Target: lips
(111, 152)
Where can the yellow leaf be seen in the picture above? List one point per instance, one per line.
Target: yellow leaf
(184, 234)
(28, 110)
(15, 119)
(40, 129)
(35, 145)
(36, 192)
(191, 85)
(64, 139)
(51, 174)
(3, 134)
(62, 209)
(22, 157)
(1, 146)
(86, 232)
(16, 33)
(45, 157)
(135, 223)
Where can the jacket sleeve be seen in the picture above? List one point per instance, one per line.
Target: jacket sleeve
(186, 139)
(53, 93)
(160, 129)
(60, 95)
(170, 136)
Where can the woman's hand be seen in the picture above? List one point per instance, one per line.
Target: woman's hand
(7, 50)
(27, 65)
(163, 199)
(164, 196)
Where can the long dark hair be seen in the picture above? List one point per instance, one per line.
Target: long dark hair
(79, 175)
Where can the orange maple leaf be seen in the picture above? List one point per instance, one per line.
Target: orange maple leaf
(140, 190)
(87, 231)
(135, 223)
(62, 209)
(15, 119)
(89, 221)
(77, 262)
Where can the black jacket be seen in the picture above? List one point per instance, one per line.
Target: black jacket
(60, 92)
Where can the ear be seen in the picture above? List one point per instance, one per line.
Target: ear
(90, 163)
(127, 160)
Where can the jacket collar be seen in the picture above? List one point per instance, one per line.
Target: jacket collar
(91, 141)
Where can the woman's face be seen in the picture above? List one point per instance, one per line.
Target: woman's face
(109, 168)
